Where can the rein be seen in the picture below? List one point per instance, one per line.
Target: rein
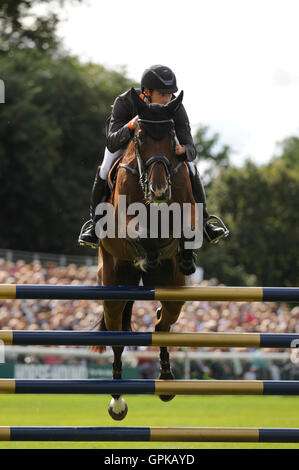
(143, 166)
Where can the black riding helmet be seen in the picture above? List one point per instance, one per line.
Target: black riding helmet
(160, 78)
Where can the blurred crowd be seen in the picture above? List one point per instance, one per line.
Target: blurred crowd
(198, 316)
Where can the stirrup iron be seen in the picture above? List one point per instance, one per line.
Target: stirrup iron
(222, 225)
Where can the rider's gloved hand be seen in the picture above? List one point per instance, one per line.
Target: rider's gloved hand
(179, 149)
(133, 123)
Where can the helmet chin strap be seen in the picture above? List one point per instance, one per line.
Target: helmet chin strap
(148, 97)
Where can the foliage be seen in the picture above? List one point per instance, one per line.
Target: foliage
(209, 151)
(52, 137)
(52, 134)
(260, 206)
(22, 26)
(289, 152)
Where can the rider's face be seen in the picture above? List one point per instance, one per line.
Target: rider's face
(160, 98)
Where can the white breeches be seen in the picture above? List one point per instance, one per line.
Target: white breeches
(192, 167)
(190, 164)
(109, 159)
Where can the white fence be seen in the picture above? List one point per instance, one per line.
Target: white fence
(131, 358)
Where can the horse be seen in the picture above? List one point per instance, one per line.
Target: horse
(149, 173)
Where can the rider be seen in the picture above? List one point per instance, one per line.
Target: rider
(158, 85)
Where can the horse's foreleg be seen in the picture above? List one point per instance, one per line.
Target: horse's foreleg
(165, 371)
(113, 313)
(166, 316)
(151, 248)
(186, 257)
(117, 407)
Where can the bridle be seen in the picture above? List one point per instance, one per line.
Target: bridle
(142, 172)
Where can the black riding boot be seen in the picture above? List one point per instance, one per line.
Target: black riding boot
(88, 235)
(212, 233)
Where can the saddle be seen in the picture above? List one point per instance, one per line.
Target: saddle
(112, 175)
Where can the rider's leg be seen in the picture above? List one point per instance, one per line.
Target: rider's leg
(98, 194)
(108, 160)
(212, 232)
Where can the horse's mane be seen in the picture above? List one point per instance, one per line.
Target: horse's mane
(131, 148)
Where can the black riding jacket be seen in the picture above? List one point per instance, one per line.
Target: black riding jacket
(124, 109)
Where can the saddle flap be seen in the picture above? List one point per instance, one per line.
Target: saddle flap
(113, 173)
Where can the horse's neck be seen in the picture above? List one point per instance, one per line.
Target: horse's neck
(130, 155)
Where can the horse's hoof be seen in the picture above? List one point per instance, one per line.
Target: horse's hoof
(186, 262)
(118, 409)
(152, 264)
(166, 376)
(166, 397)
(140, 263)
(187, 267)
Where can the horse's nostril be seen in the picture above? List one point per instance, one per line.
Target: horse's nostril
(160, 194)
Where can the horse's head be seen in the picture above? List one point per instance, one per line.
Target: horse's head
(155, 147)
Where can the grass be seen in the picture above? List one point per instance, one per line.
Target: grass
(199, 411)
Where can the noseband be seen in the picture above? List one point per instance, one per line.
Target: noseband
(144, 175)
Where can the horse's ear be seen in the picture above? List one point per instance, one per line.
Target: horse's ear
(174, 105)
(141, 105)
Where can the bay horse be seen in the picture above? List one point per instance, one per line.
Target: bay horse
(149, 173)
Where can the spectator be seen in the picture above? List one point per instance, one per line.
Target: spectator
(195, 316)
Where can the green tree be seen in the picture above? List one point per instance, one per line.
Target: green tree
(215, 156)
(289, 152)
(52, 137)
(260, 206)
(52, 129)
(22, 27)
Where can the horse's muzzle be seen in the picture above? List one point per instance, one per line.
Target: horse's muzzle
(159, 195)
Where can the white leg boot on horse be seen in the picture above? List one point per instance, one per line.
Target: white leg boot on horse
(117, 408)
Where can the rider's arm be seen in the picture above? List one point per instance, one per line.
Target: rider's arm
(119, 132)
(183, 132)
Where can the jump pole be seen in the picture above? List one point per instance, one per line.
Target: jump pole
(184, 293)
(124, 338)
(149, 387)
(155, 434)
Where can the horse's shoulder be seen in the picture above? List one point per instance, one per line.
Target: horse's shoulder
(129, 155)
